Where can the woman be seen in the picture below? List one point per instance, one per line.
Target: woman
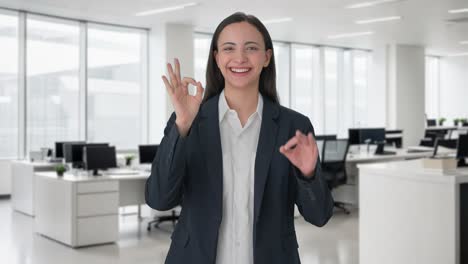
(222, 160)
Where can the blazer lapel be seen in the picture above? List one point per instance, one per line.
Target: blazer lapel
(210, 140)
(265, 149)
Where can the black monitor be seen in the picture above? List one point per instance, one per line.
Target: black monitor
(372, 135)
(147, 153)
(354, 136)
(99, 158)
(431, 122)
(447, 143)
(59, 153)
(462, 150)
(73, 152)
(325, 137)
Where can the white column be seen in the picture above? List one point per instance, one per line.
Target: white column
(405, 93)
(166, 42)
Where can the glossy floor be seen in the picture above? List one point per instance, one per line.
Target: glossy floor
(335, 243)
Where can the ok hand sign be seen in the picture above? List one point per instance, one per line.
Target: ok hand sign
(301, 150)
(185, 105)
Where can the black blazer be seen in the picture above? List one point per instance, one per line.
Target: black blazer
(189, 172)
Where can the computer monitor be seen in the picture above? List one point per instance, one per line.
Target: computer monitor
(462, 150)
(431, 122)
(73, 152)
(354, 136)
(447, 143)
(147, 153)
(372, 135)
(325, 137)
(59, 147)
(99, 158)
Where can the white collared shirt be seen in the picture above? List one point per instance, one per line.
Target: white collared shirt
(239, 146)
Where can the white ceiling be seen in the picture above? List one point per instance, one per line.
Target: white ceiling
(424, 21)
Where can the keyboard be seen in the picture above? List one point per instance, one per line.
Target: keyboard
(121, 172)
(386, 153)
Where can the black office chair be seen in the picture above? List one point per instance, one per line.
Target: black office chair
(431, 122)
(430, 137)
(174, 217)
(334, 165)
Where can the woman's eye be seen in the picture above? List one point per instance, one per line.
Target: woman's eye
(228, 49)
(252, 48)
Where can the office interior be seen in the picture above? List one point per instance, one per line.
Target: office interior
(383, 83)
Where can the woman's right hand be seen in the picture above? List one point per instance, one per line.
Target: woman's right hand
(185, 105)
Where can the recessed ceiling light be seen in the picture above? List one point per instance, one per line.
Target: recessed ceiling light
(376, 20)
(456, 11)
(165, 9)
(277, 20)
(458, 54)
(349, 35)
(372, 3)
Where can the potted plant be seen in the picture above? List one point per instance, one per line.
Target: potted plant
(441, 121)
(456, 121)
(128, 159)
(464, 121)
(60, 169)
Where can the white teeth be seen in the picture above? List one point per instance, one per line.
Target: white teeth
(239, 70)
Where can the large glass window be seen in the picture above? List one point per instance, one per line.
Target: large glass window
(361, 62)
(52, 81)
(331, 90)
(202, 50)
(282, 71)
(115, 85)
(306, 94)
(8, 85)
(432, 87)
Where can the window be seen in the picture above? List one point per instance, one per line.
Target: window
(331, 89)
(115, 85)
(306, 94)
(8, 85)
(52, 100)
(282, 71)
(202, 50)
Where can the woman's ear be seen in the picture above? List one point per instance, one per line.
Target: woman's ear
(268, 54)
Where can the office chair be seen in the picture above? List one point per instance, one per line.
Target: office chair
(430, 136)
(431, 122)
(334, 165)
(158, 219)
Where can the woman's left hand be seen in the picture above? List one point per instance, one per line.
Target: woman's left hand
(301, 150)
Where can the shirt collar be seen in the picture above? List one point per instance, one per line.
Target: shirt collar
(223, 107)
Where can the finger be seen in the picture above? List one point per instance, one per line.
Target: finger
(302, 139)
(174, 81)
(310, 138)
(200, 91)
(186, 81)
(169, 88)
(177, 69)
(291, 143)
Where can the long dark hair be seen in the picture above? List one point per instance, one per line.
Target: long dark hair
(214, 78)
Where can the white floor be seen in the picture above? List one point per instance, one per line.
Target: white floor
(335, 243)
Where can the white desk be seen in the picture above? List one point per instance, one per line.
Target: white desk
(83, 210)
(409, 214)
(22, 173)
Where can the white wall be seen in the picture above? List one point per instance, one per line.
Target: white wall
(5, 177)
(166, 43)
(453, 88)
(406, 80)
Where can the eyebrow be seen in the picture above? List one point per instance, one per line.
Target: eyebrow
(246, 43)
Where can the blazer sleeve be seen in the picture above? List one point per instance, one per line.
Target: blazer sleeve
(164, 187)
(313, 197)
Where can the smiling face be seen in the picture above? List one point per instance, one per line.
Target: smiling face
(241, 55)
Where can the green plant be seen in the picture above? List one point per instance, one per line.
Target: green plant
(442, 120)
(128, 159)
(463, 120)
(60, 169)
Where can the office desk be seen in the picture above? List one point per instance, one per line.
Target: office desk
(83, 210)
(409, 214)
(23, 181)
